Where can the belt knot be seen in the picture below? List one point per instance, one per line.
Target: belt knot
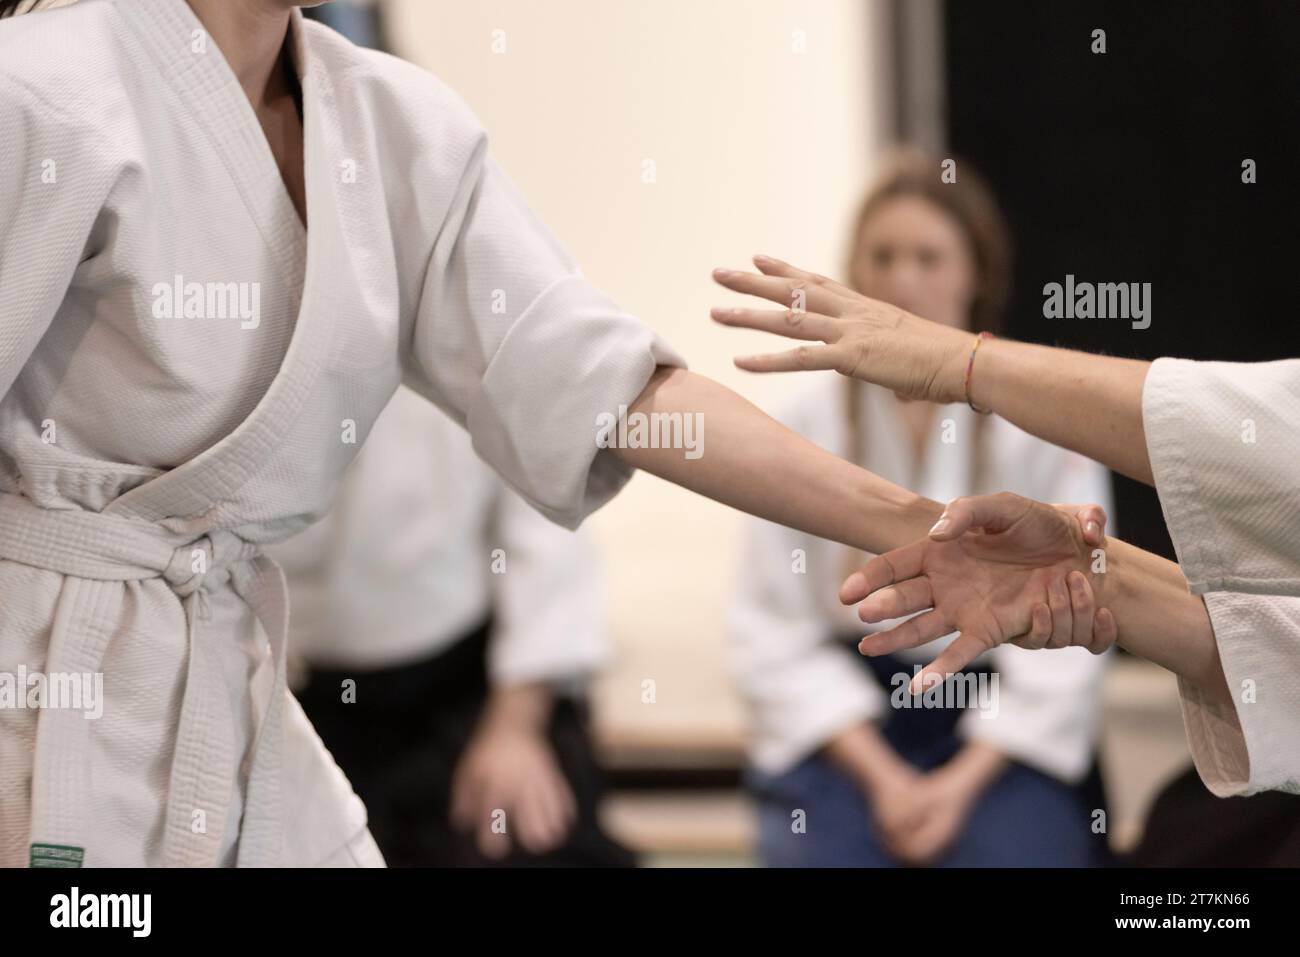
(205, 563)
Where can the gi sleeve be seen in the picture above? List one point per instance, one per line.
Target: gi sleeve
(1224, 444)
(51, 192)
(518, 347)
(549, 604)
(1254, 745)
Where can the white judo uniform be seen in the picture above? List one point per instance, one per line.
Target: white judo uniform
(186, 370)
(1224, 441)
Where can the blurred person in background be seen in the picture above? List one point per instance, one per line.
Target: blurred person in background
(1011, 784)
(448, 633)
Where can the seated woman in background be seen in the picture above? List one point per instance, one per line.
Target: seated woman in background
(448, 632)
(998, 784)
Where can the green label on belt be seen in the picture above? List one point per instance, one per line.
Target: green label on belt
(57, 855)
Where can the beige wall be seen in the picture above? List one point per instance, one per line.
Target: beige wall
(756, 147)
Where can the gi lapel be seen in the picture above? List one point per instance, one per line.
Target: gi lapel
(189, 495)
(207, 86)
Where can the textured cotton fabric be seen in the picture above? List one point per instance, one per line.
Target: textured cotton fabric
(1224, 442)
(150, 447)
(423, 543)
(794, 668)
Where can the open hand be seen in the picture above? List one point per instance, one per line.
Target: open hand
(859, 337)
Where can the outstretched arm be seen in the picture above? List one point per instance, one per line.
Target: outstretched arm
(753, 463)
(1089, 403)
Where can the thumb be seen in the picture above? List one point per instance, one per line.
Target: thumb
(1092, 519)
(1092, 522)
(992, 513)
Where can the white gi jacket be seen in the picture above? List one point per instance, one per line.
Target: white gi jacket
(1224, 441)
(185, 373)
(423, 543)
(800, 678)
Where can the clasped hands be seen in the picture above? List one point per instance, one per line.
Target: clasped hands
(997, 568)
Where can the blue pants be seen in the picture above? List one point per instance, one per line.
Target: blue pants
(1024, 819)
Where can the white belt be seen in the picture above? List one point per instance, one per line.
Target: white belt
(96, 552)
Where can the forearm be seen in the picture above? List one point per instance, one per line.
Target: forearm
(1089, 403)
(753, 463)
(862, 752)
(1158, 617)
(976, 766)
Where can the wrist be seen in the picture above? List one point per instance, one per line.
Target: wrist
(885, 772)
(917, 515)
(973, 769)
(951, 380)
(885, 516)
(1157, 616)
(1107, 573)
(519, 708)
(980, 388)
(862, 753)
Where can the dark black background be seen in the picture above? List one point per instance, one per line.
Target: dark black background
(333, 912)
(1126, 167)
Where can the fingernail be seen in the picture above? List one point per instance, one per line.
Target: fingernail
(940, 526)
(1093, 529)
(722, 273)
(760, 258)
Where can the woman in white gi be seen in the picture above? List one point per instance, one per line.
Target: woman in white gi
(449, 632)
(1218, 441)
(996, 781)
(225, 236)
